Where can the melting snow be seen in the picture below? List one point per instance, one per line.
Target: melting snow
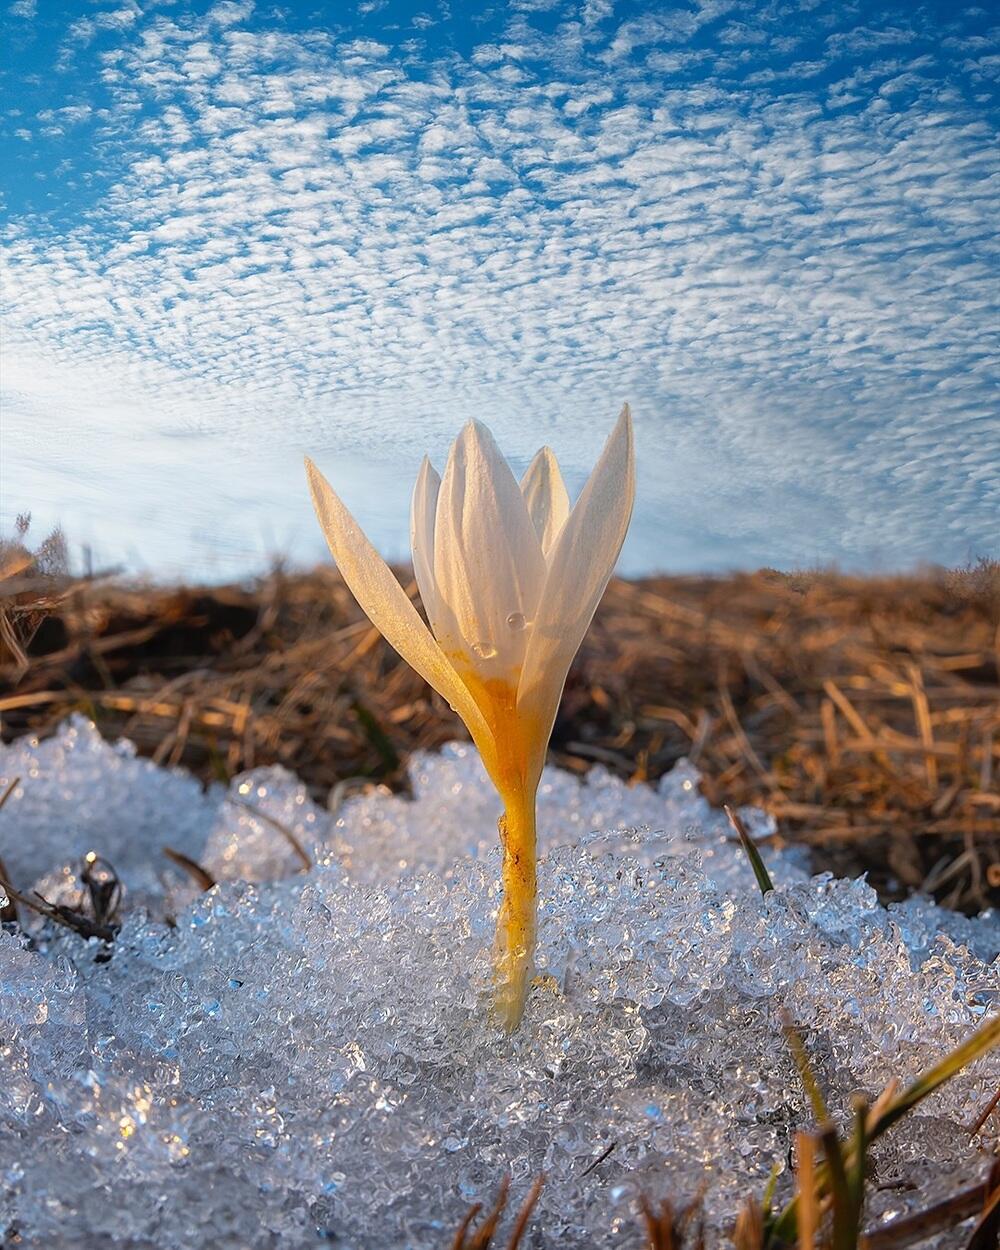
(305, 1058)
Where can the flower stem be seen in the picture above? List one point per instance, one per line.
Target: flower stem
(515, 940)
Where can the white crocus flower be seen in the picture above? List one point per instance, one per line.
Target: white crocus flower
(510, 578)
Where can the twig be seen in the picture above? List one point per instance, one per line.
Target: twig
(985, 1114)
(68, 917)
(596, 1163)
(923, 1224)
(12, 786)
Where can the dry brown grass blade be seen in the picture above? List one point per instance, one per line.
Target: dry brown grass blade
(659, 1224)
(459, 1242)
(986, 1234)
(201, 876)
(883, 1102)
(910, 1229)
(805, 1180)
(806, 1074)
(748, 1231)
(340, 793)
(668, 1228)
(849, 711)
(922, 712)
(754, 760)
(481, 1238)
(985, 1114)
(303, 855)
(524, 1215)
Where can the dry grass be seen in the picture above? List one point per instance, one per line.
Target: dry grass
(863, 713)
(31, 586)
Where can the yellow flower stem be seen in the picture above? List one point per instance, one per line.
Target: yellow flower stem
(515, 939)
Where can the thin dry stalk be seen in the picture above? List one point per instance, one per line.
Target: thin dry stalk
(910, 1229)
(201, 876)
(303, 855)
(805, 1179)
(668, 1228)
(481, 1238)
(985, 1114)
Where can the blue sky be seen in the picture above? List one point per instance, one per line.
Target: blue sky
(236, 234)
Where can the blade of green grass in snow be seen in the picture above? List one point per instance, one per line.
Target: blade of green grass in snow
(809, 1082)
(836, 1172)
(984, 1039)
(752, 853)
(885, 1114)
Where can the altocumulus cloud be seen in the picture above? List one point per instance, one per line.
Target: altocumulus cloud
(235, 236)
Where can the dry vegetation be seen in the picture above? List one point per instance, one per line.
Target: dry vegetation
(32, 584)
(863, 713)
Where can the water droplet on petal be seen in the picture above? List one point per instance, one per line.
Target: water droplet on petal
(516, 620)
(485, 650)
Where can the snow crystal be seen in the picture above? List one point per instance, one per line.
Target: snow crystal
(297, 1057)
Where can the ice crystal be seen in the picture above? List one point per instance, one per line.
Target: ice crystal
(298, 1058)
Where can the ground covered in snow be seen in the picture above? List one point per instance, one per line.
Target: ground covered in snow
(298, 1058)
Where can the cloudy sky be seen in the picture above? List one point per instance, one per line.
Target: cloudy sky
(237, 233)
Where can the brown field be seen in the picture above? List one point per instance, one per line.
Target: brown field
(864, 713)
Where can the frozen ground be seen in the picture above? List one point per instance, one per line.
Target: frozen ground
(297, 1059)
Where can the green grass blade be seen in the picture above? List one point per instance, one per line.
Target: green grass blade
(782, 1230)
(752, 853)
(772, 1184)
(836, 1172)
(808, 1077)
(377, 736)
(983, 1040)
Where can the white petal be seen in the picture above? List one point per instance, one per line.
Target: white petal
(579, 567)
(384, 601)
(488, 563)
(422, 512)
(545, 494)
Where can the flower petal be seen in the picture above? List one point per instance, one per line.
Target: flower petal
(488, 563)
(384, 601)
(545, 494)
(579, 567)
(422, 513)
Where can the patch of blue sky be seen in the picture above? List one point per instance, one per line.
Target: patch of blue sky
(342, 228)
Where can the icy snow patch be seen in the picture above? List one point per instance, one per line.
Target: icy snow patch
(305, 1058)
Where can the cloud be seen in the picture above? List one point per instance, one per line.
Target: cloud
(784, 256)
